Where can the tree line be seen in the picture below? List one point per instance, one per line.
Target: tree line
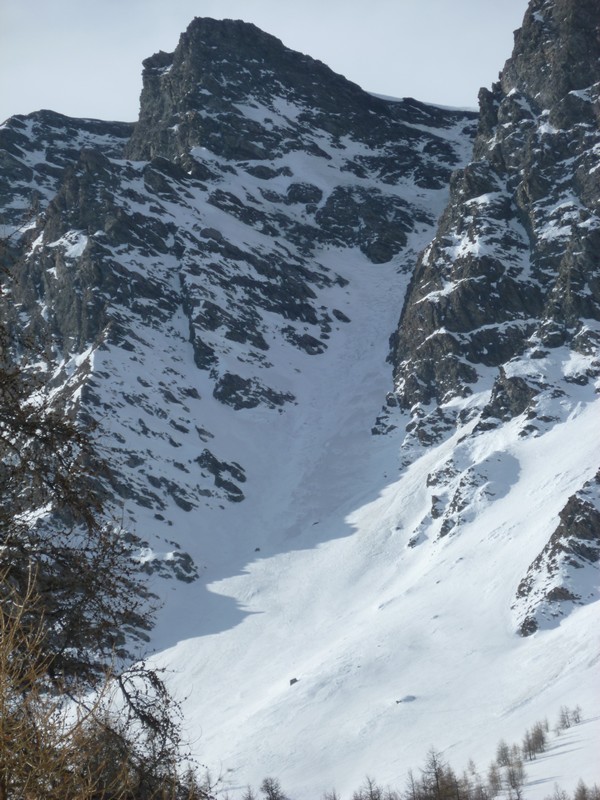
(437, 780)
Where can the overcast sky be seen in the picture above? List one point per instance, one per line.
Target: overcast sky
(83, 57)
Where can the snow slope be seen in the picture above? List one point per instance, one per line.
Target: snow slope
(394, 647)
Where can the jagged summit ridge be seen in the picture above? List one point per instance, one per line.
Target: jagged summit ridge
(241, 94)
(31, 183)
(191, 97)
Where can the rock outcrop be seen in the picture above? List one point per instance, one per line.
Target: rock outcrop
(565, 573)
(513, 271)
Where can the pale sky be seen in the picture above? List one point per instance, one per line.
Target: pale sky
(84, 57)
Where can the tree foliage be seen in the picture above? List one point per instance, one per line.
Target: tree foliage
(78, 719)
(56, 745)
(54, 528)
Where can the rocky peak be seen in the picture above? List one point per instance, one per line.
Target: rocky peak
(257, 191)
(240, 94)
(226, 81)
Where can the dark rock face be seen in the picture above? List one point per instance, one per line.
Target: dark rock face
(510, 397)
(554, 50)
(30, 181)
(239, 393)
(555, 581)
(225, 474)
(512, 268)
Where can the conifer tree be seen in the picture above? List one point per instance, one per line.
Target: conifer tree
(77, 719)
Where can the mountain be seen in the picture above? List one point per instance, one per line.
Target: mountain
(343, 354)
(227, 266)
